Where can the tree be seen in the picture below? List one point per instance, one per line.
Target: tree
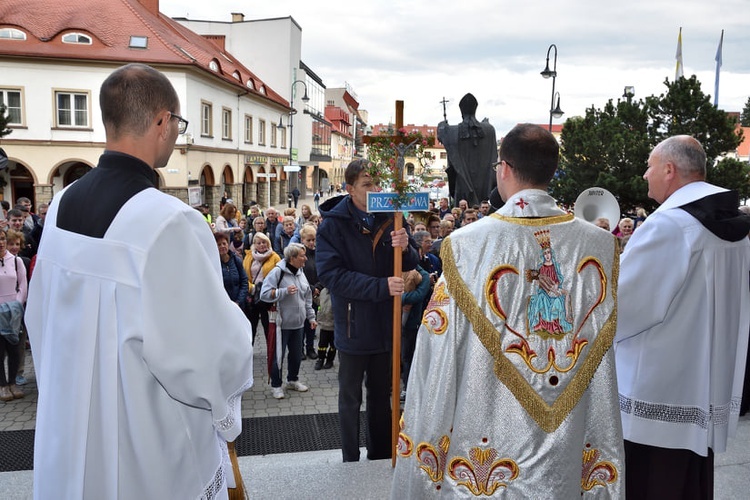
(731, 173)
(745, 116)
(4, 119)
(685, 109)
(606, 148)
(609, 148)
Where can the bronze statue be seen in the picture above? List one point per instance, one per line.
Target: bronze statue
(472, 149)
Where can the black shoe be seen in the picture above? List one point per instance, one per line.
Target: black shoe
(319, 364)
(311, 353)
(329, 364)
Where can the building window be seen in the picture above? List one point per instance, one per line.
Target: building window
(12, 100)
(226, 123)
(72, 109)
(138, 42)
(248, 129)
(76, 38)
(262, 132)
(282, 130)
(443, 155)
(207, 113)
(12, 34)
(273, 135)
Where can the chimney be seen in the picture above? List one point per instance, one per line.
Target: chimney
(237, 17)
(151, 5)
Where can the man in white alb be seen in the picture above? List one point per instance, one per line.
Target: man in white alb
(141, 358)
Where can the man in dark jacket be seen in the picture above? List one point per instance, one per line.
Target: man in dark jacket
(354, 259)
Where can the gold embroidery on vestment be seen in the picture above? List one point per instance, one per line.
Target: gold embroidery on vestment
(432, 460)
(594, 472)
(482, 472)
(548, 417)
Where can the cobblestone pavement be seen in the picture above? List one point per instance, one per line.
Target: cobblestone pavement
(20, 414)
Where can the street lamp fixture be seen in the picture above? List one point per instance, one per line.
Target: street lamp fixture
(554, 111)
(292, 112)
(557, 112)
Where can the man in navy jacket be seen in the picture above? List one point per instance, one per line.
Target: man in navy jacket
(354, 257)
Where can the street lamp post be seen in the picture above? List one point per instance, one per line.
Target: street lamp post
(629, 93)
(554, 110)
(292, 112)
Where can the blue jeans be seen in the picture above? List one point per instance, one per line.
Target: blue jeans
(291, 340)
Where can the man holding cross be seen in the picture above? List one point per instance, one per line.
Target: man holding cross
(354, 257)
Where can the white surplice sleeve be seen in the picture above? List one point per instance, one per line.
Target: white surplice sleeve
(197, 342)
(653, 269)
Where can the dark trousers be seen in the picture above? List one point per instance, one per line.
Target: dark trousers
(290, 340)
(326, 349)
(653, 473)
(10, 350)
(255, 312)
(375, 370)
(309, 336)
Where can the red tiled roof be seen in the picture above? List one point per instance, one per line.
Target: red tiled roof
(744, 148)
(110, 23)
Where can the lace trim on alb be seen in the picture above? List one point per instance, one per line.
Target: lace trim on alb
(218, 484)
(693, 415)
(228, 422)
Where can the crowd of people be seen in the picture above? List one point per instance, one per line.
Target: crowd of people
(526, 332)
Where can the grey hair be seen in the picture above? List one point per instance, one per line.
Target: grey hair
(293, 250)
(419, 237)
(686, 153)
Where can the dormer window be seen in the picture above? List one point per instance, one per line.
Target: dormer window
(213, 65)
(12, 34)
(262, 89)
(250, 84)
(236, 74)
(79, 38)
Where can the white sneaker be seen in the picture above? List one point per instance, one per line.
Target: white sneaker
(296, 386)
(277, 392)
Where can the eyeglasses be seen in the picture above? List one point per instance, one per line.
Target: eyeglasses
(494, 165)
(182, 123)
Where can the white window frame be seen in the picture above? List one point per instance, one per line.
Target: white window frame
(248, 129)
(80, 38)
(226, 124)
(273, 135)
(207, 119)
(4, 99)
(78, 118)
(283, 137)
(12, 34)
(261, 132)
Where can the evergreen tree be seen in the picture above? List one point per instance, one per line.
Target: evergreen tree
(745, 116)
(609, 148)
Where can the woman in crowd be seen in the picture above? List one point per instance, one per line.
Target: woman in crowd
(13, 290)
(287, 286)
(286, 235)
(15, 242)
(305, 215)
(234, 275)
(236, 241)
(307, 237)
(258, 263)
(227, 221)
(258, 226)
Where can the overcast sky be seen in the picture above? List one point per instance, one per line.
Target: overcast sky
(421, 51)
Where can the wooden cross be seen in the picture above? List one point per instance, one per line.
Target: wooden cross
(400, 150)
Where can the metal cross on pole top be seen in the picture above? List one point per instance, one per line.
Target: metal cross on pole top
(395, 202)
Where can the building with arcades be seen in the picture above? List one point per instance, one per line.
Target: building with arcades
(52, 67)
